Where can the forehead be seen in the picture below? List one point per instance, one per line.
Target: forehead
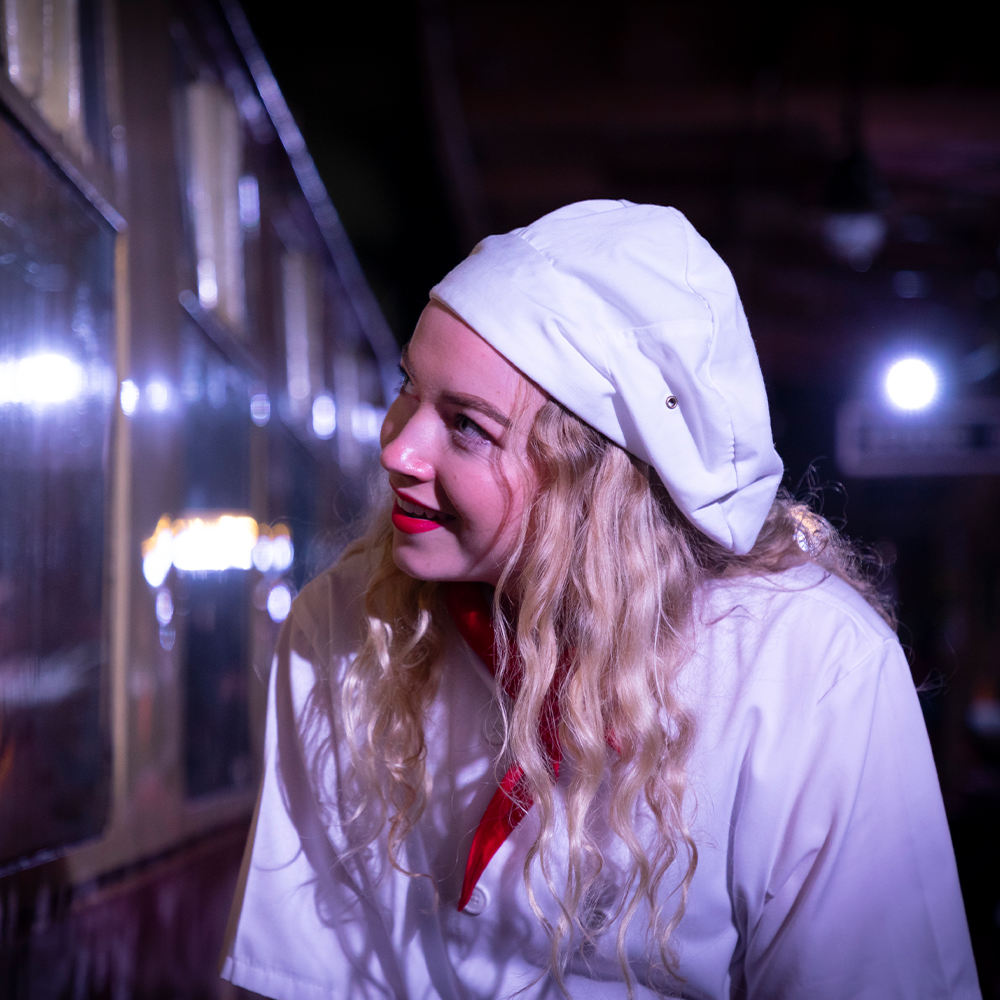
(447, 355)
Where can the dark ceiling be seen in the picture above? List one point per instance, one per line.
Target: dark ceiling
(435, 123)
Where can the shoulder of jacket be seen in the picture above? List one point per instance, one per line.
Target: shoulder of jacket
(804, 624)
(329, 610)
(808, 593)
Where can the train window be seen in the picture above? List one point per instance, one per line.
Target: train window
(44, 60)
(302, 297)
(57, 390)
(204, 606)
(214, 168)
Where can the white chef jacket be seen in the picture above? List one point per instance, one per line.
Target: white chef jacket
(825, 868)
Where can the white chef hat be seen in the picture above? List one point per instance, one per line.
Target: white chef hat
(627, 317)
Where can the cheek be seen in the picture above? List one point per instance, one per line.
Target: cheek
(494, 505)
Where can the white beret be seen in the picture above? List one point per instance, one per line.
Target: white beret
(627, 317)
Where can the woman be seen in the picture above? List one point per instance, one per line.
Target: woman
(591, 711)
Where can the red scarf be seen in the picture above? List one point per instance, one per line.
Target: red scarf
(472, 616)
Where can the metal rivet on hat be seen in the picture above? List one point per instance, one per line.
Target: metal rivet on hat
(671, 402)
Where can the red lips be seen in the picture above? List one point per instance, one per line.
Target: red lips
(411, 525)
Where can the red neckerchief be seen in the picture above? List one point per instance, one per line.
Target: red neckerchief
(470, 611)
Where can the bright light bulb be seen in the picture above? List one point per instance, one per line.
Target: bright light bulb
(911, 384)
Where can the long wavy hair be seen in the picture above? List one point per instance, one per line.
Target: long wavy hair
(602, 580)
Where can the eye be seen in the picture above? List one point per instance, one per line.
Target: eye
(405, 382)
(469, 430)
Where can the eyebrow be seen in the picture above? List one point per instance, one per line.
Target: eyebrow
(465, 400)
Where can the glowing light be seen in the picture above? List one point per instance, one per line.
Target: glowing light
(274, 551)
(211, 543)
(129, 397)
(249, 202)
(366, 423)
(260, 409)
(262, 554)
(279, 602)
(911, 384)
(202, 545)
(164, 606)
(855, 237)
(324, 416)
(157, 553)
(40, 379)
(208, 286)
(282, 550)
(158, 393)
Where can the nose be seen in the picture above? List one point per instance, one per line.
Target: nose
(407, 442)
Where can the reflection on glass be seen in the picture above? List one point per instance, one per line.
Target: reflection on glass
(43, 60)
(279, 602)
(164, 606)
(366, 423)
(40, 379)
(216, 198)
(260, 409)
(57, 388)
(302, 296)
(216, 607)
(324, 416)
(204, 544)
(159, 395)
(249, 203)
(129, 397)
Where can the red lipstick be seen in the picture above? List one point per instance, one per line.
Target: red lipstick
(410, 525)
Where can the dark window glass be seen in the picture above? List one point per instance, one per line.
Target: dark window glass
(57, 389)
(216, 604)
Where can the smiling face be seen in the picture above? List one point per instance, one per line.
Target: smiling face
(455, 446)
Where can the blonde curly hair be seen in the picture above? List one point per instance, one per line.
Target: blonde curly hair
(607, 568)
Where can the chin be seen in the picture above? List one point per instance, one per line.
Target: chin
(419, 568)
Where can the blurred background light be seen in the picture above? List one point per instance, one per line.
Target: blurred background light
(164, 606)
(129, 397)
(855, 237)
(983, 362)
(262, 554)
(324, 416)
(282, 550)
(158, 393)
(208, 286)
(157, 553)
(260, 408)
(279, 602)
(168, 635)
(366, 422)
(249, 203)
(911, 384)
(202, 545)
(212, 543)
(40, 379)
